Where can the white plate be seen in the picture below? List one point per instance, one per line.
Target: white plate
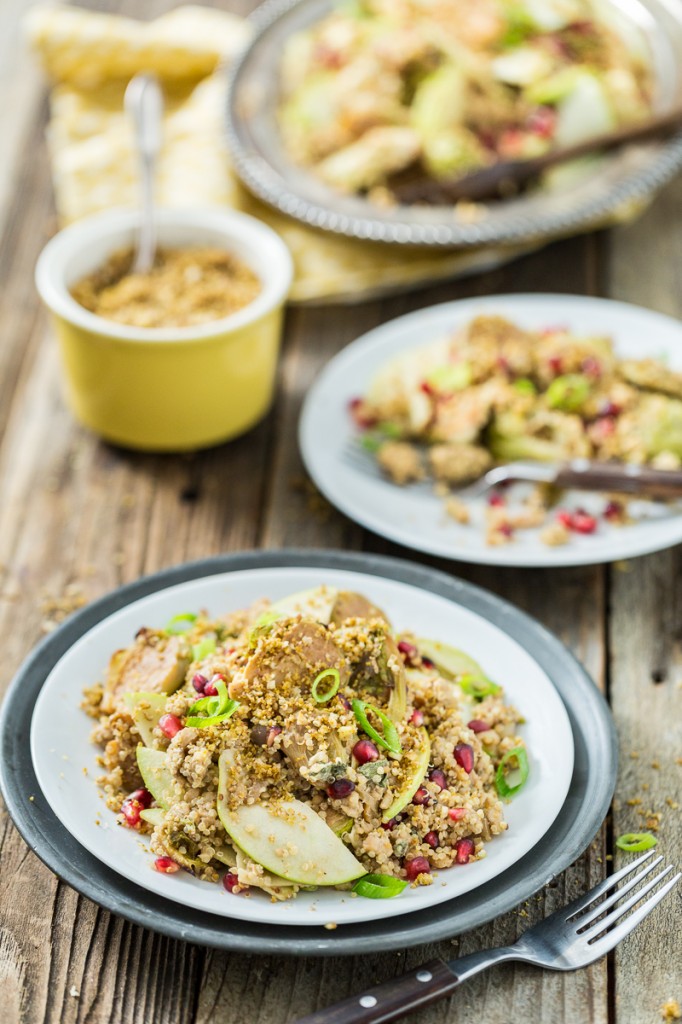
(61, 749)
(416, 517)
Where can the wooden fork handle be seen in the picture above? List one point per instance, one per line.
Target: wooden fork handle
(391, 1000)
(626, 479)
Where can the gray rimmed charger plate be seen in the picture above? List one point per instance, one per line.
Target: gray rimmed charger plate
(604, 190)
(585, 807)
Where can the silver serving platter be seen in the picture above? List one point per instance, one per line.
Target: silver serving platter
(609, 185)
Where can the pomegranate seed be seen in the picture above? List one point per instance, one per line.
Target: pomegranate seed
(388, 826)
(408, 650)
(565, 518)
(610, 409)
(210, 689)
(427, 389)
(503, 364)
(464, 756)
(456, 813)
(613, 510)
(166, 866)
(346, 703)
(230, 880)
(438, 778)
(431, 839)
(506, 529)
(417, 717)
(583, 522)
(605, 427)
(143, 796)
(427, 663)
(465, 848)
(478, 725)
(364, 751)
(170, 725)
(541, 122)
(421, 797)
(130, 809)
(496, 500)
(364, 422)
(340, 788)
(417, 866)
(199, 682)
(591, 367)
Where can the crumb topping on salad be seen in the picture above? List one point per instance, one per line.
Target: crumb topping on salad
(302, 744)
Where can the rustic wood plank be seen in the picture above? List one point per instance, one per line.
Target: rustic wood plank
(645, 655)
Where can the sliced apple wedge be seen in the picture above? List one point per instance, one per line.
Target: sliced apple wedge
(146, 709)
(154, 815)
(287, 838)
(415, 765)
(156, 775)
(450, 660)
(316, 604)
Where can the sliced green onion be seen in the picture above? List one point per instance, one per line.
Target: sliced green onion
(453, 377)
(475, 686)
(217, 709)
(389, 740)
(181, 623)
(568, 393)
(330, 689)
(206, 646)
(521, 768)
(524, 386)
(634, 842)
(204, 723)
(379, 887)
(262, 625)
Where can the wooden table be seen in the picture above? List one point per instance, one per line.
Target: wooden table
(78, 518)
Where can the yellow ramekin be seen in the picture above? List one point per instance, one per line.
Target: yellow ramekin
(167, 389)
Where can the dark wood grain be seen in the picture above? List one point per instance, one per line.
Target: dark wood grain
(81, 517)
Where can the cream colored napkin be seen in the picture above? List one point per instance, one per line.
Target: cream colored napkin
(90, 58)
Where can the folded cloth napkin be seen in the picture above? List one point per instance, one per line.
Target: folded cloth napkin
(90, 57)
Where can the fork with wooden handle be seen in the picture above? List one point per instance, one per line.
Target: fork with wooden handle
(571, 938)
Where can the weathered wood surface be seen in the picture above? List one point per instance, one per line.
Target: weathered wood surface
(77, 514)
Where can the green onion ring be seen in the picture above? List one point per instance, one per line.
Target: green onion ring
(175, 626)
(379, 887)
(390, 740)
(218, 708)
(328, 673)
(501, 785)
(478, 688)
(634, 842)
(203, 648)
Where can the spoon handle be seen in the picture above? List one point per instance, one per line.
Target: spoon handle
(144, 103)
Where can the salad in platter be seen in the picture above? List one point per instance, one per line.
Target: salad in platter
(382, 93)
(302, 744)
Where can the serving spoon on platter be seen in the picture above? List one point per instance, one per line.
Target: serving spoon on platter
(507, 177)
(144, 104)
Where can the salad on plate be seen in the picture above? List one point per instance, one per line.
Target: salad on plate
(303, 744)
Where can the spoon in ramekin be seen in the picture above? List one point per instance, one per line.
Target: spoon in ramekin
(144, 104)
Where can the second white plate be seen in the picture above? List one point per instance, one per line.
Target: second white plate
(415, 517)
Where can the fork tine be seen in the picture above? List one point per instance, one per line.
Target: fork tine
(594, 912)
(618, 912)
(612, 938)
(566, 913)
